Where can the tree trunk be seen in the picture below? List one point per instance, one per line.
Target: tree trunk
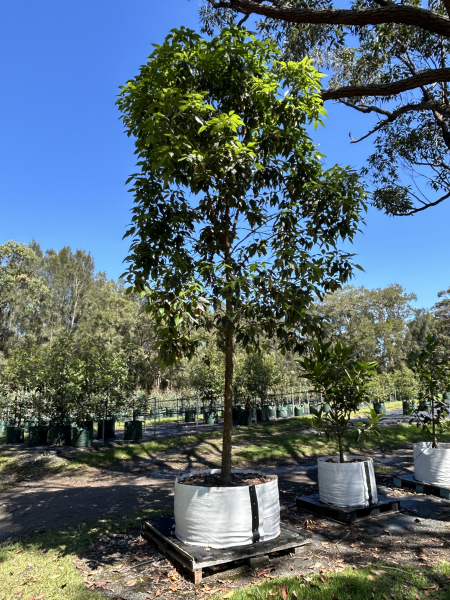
(225, 474)
(228, 412)
(433, 424)
(341, 449)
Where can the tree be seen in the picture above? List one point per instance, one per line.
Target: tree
(21, 294)
(374, 322)
(343, 384)
(70, 278)
(236, 225)
(388, 59)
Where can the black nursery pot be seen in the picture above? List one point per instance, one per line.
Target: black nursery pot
(133, 430)
(37, 435)
(189, 415)
(60, 434)
(110, 430)
(14, 435)
(408, 407)
(379, 408)
(81, 437)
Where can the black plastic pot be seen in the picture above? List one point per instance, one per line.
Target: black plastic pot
(245, 418)
(235, 411)
(133, 430)
(81, 437)
(379, 408)
(189, 415)
(110, 429)
(263, 414)
(37, 435)
(60, 434)
(408, 407)
(14, 435)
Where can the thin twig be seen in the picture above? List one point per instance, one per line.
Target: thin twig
(145, 562)
(395, 569)
(342, 539)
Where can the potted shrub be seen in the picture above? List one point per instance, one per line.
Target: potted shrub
(226, 181)
(138, 404)
(431, 458)
(379, 392)
(342, 383)
(407, 385)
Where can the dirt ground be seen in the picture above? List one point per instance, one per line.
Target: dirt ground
(128, 567)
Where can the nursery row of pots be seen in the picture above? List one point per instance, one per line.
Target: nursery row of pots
(66, 434)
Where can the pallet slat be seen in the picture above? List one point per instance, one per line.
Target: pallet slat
(313, 505)
(408, 482)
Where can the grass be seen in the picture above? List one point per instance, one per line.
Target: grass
(44, 565)
(377, 582)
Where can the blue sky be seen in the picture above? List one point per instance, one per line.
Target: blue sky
(64, 157)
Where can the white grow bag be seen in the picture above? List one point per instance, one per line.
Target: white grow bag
(347, 484)
(220, 517)
(432, 465)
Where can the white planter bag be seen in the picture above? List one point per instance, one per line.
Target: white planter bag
(432, 465)
(220, 517)
(347, 484)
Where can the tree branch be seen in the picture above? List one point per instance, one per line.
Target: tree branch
(392, 13)
(433, 106)
(413, 211)
(388, 89)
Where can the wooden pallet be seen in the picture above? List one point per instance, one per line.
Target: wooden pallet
(408, 482)
(350, 514)
(195, 558)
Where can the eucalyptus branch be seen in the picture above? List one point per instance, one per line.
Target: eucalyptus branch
(388, 89)
(390, 13)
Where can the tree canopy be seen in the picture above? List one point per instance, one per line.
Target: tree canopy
(237, 226)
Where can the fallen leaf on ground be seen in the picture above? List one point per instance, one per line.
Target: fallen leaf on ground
(371, 577)
(131, 583)
(284, 592)
(55, 576)
(379, 572)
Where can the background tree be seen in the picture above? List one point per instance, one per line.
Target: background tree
(70, 277)
(387, 59)
(236, 225)
(21, 295)
(374, 322)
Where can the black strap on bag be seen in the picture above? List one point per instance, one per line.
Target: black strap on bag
(255, 513)
(369, 482)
